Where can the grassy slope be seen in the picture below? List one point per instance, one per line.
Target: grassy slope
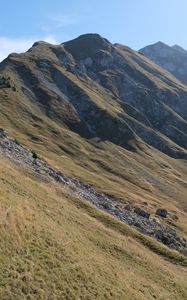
(53, 246)
(108, 167)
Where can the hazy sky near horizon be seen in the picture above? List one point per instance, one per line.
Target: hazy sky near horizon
(135, 23)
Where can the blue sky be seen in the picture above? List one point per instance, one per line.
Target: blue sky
(135, 23)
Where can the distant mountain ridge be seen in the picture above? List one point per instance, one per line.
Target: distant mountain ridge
(173, 59)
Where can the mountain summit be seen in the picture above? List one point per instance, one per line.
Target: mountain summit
(86, 45)
(173, 59)
(179, 48)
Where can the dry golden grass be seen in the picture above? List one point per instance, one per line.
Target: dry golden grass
(57, 247)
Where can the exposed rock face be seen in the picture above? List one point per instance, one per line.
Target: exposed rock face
(173, 59)
(139, 219)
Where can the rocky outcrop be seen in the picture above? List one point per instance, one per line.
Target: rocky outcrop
(139, 218)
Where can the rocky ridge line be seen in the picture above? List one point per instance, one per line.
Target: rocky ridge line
(164, 234)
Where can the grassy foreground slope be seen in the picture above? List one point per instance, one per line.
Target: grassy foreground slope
(56, 247)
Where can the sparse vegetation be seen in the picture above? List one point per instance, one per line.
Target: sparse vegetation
(6, 82)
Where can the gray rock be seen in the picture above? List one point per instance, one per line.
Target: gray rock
(161, 212)
(142, 212)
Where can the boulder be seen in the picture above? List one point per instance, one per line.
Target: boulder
(2, 133)
(142, 212)
(161, 212)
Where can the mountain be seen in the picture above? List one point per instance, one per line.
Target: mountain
(179, 48)
(173, 59)
(93, 144)
(102, 90)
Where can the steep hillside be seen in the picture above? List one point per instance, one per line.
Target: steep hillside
(56, 247)
(107, 116)
(138, 218)
(173, 59)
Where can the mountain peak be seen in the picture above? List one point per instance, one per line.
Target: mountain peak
(173, 59)
(91, 37)
(179, 48)
(159, 44)
(86, 44)
(155, 47)
(38, 43)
